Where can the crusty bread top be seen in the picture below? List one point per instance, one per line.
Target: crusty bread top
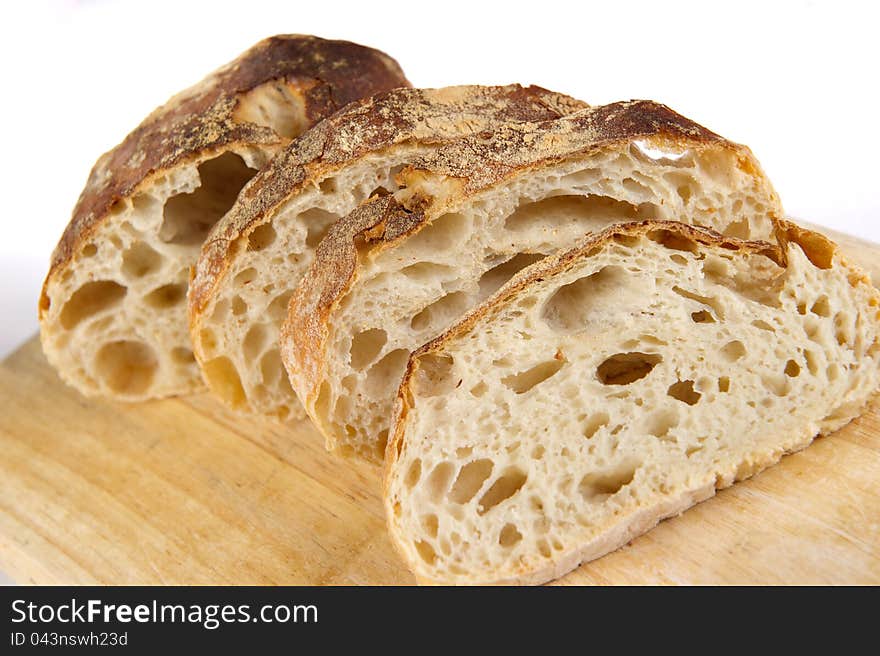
(200, 120)
(482, 160)
(463, 168)
(371, 125)
(818, 249)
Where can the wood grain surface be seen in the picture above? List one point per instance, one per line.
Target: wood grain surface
(183, 491)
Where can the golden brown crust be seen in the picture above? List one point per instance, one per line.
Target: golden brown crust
(488, 158)
(200, 121)
(818, 248)
(372, 125)
(467, 166)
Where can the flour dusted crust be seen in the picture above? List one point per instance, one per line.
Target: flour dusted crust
(237, 118)
(591, 485)
(255, 256)
(479, 169)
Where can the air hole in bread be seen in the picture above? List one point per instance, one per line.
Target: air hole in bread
(277, 309)
(443, 234)
(183, 355)
(221, 309)
(544, 548)
(812, 361)
(673, 240)
(582, 178)
(508, 484)
(89, 250)
(413, 474)
(509, 535)
(709, 302)
(479, 389)
(778, 384)
(366, 346)
(166, 296)
(379, 192)
(792, 369)
(430, 525)
(733, 351)
(763, 325)
(821, 307)
(438, 480)
(724, 384)
(89, 300)
(224, 381)
(239, 307)
(524, 381)
(626, 368)
(423, 272)
(245, 277)
(441, 312)
(702, 316)
(591, 211)
(381, 441)
(636, 188)
(842, 328)
(739, 229)
(661, 422)
(254, 341)
(470, 479)
(317, 223)
(327, 186)
(140, 260)
(683, 390)
(681, 260)
(126, 367)
(189, 217)
(275, 105)
(569, 307)
(387, 372)
(261, 237)
(434, 375)
(832, 372)
(322, 402)
(594, 423)
(426, 552)
(494, 278)
(598, 486)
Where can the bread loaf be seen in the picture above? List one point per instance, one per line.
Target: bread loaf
(400, 269)
(113, 306)
(616, 384)
(258, 252)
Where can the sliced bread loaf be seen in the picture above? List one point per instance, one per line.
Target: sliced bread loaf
(113, 307)
(400, 269)
(616, 384)
(259, 251)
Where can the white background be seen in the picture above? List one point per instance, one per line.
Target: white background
(797, 81)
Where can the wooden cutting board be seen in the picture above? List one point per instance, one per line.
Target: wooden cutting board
(183, 491)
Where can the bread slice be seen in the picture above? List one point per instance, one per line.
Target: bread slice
(113, 307)
(616, 384)
(259, 251)
(401, 269)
